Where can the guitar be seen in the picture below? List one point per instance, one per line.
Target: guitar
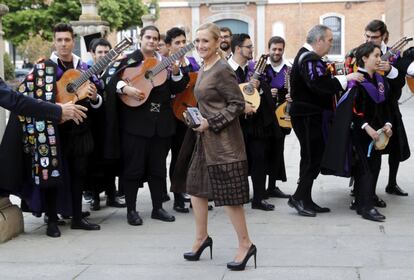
(149, 74)
(398, 46)
(250, 93)
(282, 112)
(72, 85)
(186, 98)
(410, 83)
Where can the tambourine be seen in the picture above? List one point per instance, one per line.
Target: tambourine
(382, 141)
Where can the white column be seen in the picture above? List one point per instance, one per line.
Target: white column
(195, 20)
(260, 16)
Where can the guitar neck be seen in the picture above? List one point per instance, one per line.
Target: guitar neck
(171, 59)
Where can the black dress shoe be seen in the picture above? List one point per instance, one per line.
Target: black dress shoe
(161, 214)
(133, 218)
(263, 205)
(195, 256)
(85, 225)
(180, 208)
(242, 265)
(95, 204)
(114, 202)
(300, 207)
(371, 214)
(59, 222)
(318, 209)
(276, 192)
(53, 230)
(395, 190)
(378, 202)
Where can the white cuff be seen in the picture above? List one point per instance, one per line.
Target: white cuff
(119, 86)
(388, 123)
(364, 125)
(176, 78)
(342, 79)
(97, 105)
(410, 70)
(393, 73)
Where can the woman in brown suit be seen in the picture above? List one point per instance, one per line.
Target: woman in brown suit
(217, 167)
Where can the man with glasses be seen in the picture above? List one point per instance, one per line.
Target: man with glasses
(398, 149)
(225, 45)
(257, 128)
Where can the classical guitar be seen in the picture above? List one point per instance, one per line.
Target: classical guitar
(186, 98)
(398, 46)
(410, 83)
(149, 74)
(282, 112)
(72, 85)
(250, 93)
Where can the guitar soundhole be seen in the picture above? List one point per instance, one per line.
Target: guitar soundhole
(248, 89)
(148, 75)
(70, 88)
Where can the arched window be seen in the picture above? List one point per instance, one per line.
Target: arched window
(336, 24)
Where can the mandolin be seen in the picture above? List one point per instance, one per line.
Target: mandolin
(149, 74)
(398, 46)
(282, 112)
(250, 93)
(186, 98)
(72, 85)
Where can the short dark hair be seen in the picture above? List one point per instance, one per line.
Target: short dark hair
(172, 34)
(99, 42)
(63, 27)
(237, 40)
(377, 25)
(149, 27)
(364, 50)
(226, 29)
(276, 40)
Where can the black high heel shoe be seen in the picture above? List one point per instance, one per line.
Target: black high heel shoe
(242, 265)
(195, 256)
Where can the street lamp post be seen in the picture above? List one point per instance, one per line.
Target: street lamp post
(149, 19)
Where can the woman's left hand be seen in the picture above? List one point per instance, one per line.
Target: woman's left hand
(203, 126)
(387, 130)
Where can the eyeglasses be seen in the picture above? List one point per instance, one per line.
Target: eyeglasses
(248, 47)
(225, 37)
(372, 37)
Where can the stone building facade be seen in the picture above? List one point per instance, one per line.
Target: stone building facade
(290, 19)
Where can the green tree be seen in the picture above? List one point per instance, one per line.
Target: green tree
(34, 48)
(28, 18)
(8, 67)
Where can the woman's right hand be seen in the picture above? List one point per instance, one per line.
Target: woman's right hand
(372, 133)
(133, 92)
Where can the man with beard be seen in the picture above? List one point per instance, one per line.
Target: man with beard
(225, 45)
(277, 72)
(259, 127)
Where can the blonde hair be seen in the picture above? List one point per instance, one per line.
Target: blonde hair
(214, 30)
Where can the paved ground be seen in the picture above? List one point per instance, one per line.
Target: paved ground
(339, 245)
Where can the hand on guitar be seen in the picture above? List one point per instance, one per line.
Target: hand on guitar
(92, 92)
(255, 83)
(73, 112)
(249, 109)
(384, 66)
(355, 76)
(133, 92)
(288, 98)
(372, 133)
(203, 126)
(387, 130)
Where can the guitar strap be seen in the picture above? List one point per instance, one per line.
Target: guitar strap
(40, 137)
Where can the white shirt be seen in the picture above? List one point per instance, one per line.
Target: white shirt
(234, 65)
(279, 67)
(394, 71)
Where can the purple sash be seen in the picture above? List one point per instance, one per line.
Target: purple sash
(194, 64)
(376, 94)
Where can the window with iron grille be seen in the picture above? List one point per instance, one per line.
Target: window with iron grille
(335, 24)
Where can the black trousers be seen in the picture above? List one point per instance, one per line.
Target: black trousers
(308, 129)
(366, 177)
(277, 170)
(144, 158)
(256, 153)
(76, 168)
(176, 143)
(51, 204)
